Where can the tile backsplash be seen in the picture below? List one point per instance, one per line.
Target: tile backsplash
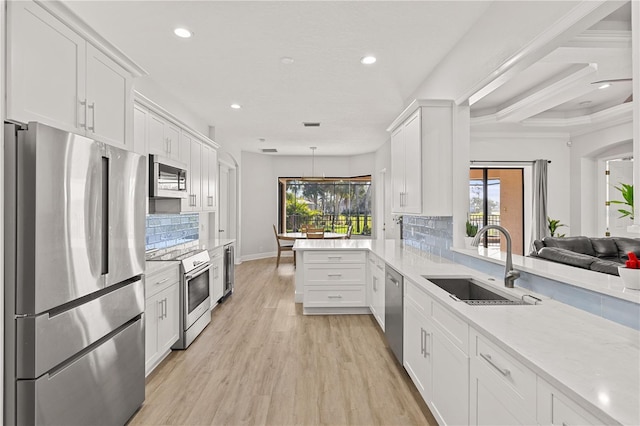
(167, 230)
(430, 234)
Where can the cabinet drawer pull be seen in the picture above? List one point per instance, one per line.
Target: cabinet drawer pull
(503, 371)
(334, 257)
(162, 281)
(334, 275)
(335, 297)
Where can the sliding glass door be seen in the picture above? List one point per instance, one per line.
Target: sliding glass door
(496, 196)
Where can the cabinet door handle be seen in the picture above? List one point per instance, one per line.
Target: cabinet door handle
(93, 117)
(375, 286)
(83, 125)
(502, 371)
(161, 303)
(335, 297)
(426, 341)
(422, 343)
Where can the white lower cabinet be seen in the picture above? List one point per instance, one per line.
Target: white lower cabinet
(417, 360)
(554, 408)
(216, 279)
(434, 357)
(375, 278)
(450, 378)
(162, 315)
(502, 391)
(334, 280)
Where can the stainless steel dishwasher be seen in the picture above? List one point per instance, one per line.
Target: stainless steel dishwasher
(393, 316)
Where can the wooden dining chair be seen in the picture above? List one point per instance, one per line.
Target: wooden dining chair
(313, 233)
(283, 247)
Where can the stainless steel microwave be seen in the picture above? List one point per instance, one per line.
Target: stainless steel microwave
(167, 178)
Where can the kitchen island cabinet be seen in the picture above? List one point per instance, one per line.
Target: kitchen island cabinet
(523, 364)
(334, 282)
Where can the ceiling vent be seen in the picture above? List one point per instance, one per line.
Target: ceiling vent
(269, 150)
(311, 124)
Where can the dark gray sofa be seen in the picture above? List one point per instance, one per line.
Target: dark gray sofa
(595, 254)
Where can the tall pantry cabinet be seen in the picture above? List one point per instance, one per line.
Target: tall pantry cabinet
(62, 74)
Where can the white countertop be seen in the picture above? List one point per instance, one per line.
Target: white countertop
(598, 282)
(153, 266)
(593, 360)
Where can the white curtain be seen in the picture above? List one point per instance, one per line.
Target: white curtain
(539, 219)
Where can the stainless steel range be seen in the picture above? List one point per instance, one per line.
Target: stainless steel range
(195, 299)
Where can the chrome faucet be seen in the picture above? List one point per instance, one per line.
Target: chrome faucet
(510, 274)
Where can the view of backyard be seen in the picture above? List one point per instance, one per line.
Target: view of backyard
(329, 204)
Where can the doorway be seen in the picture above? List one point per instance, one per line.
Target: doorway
(496, 197)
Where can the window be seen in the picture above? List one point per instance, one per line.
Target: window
(496, 197)
(329, 203)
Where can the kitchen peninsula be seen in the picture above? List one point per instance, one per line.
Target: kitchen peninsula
(548, 362)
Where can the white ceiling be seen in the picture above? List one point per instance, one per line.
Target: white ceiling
(235, 56)
(564, 84)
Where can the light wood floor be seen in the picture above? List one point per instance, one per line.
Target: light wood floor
(261, 362)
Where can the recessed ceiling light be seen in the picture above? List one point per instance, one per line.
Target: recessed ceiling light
(368, 60)
(182, 32)
(236, 106)
(287, 60)
(604, 86)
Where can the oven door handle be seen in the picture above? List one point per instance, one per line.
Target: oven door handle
(198, 272)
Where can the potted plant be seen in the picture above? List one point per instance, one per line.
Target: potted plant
(554, 224)
(471, 231)
(627, 193)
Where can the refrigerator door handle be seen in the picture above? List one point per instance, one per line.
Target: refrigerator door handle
(105, 215)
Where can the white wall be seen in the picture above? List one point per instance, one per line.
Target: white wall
(382, 217)
(587, 181)
(259, 194)
(514, 147)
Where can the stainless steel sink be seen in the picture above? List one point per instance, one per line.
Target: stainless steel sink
(473, 292)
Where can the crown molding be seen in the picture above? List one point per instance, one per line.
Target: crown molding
(524, 134)
(413, 106)
(142, 100)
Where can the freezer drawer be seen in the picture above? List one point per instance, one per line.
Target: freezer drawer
(102, 387)
(48, 340)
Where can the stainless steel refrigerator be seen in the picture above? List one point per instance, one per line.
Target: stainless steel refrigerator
(74, 284)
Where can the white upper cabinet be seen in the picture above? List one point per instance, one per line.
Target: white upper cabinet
(57, 77)
(421, 159)
(209, 178)
(164, 138)
(109, 104)
(406, 166)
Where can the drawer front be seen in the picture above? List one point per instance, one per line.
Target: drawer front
(563, 415)
(330, 274)
(518, 380)
(451, 326)
(419, 297)
(161, 280)
(334, 296)
(335, 257)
